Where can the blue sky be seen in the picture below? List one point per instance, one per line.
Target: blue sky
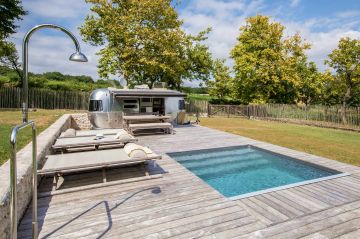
(320, 22)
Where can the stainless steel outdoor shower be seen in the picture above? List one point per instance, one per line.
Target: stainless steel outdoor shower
(77, 56)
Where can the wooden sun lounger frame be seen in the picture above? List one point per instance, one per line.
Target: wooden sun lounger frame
(57, 173)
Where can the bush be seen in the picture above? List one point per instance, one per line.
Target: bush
(4, 81)
(54, 81)
(216, 101)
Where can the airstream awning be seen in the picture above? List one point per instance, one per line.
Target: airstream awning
(148, 93)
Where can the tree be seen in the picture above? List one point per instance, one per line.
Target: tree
(308, 88)
(329, 90)
(346, 62)
(9, 57)
(268, 67)
(143, 42)
(10, 11)
(220, 87)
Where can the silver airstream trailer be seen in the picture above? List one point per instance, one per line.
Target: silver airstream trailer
(106, 106)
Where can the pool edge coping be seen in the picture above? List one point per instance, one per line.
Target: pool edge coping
(292, 185)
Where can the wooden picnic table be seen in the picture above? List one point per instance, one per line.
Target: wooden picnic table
(133, 119)
(142, 118)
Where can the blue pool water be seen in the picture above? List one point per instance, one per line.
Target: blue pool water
(240, 170)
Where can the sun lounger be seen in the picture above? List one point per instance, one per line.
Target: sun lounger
(167, 127)
(83, 161)
(69, 133)
(91, 142)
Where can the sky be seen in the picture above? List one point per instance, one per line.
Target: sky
(320, 22)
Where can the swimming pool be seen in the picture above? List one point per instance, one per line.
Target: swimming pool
(242, 171)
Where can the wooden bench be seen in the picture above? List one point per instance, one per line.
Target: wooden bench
(165, 126)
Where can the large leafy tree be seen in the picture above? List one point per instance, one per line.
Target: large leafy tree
(10, 11)
(268, 67)
(143, 42)
(220, 86)
(9, 56)
(345, 60)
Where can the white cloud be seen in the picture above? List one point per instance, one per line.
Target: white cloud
(51, 53)
(323, 32)
(219, 8)
(56, 9)
(49, 49)
(225, 18)
(323, 42)
(348, 14)
(294, 3)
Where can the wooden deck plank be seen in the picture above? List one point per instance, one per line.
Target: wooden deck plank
(180, 205)
(244, 204)
(337, 230)
(282, 205)
(303, 225)
(218, 228)
(350, 235)
(267, 211)
(320, 225)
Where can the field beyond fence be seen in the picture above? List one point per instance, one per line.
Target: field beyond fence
(281, 112)
(45, 99)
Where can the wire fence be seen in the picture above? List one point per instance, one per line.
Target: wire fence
(316, 113)
(44, 99)
(50, 99)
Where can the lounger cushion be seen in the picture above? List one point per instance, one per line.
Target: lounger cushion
(89, 160)
(147, 150)
(135, 151)
(69, 133)
(132, 146)
(123, 136)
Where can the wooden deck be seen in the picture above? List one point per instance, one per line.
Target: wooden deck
(180, 205)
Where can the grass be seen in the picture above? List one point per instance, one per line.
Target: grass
(199, 97)
(343, 146)
(8, 119)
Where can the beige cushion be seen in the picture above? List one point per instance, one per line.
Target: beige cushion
(123, 136)
(135, 150)
(147, 150)
(138, 154)
(69, 133)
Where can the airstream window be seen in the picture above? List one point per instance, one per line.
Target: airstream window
(181, 104)
(95, 105)
(130, 105)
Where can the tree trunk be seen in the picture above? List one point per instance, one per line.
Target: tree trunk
(343, 112)
(346, 98)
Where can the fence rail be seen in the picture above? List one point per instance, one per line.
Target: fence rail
(44, 99)
(331, 114)
(196, 106)
(50, 99)
(318, 113)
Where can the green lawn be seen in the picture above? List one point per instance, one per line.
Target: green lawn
(206, 97)
(340, 145)
(8, 119)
